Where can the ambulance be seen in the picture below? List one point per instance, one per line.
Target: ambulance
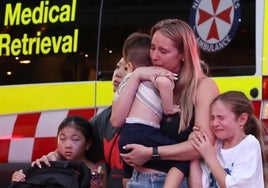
(57, 58)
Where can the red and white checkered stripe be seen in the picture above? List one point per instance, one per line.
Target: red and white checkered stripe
(25, 137)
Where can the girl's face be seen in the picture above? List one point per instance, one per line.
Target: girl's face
(164, 53)
(72, 143)
(120, 72)
(225, 125)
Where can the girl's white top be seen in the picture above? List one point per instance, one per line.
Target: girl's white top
(243, 164)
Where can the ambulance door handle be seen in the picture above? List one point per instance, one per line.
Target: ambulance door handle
(254, 92)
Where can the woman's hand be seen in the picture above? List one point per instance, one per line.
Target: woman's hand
(18, 176)
(52, 156)
(138, 155)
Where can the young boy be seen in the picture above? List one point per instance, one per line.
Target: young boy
(152, 99)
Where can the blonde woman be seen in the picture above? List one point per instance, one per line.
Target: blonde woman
(173, 50)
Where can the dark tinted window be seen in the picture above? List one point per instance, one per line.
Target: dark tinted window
(76, 54)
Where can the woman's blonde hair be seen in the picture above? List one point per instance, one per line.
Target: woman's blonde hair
(191, 69)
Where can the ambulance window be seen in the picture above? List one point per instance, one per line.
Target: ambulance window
(227, 43)
(47, 41)
(62, 46)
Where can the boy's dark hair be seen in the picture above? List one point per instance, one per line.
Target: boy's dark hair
(136, 49)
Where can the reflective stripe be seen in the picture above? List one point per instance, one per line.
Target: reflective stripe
(56, 96)
(241, 83)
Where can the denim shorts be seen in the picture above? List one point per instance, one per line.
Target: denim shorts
(149, 180)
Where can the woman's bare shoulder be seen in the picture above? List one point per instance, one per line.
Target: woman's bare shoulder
(205, 83)
(206, 89)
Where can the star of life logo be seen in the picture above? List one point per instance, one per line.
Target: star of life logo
(214, 22)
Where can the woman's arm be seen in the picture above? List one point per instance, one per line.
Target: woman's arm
(206, 92)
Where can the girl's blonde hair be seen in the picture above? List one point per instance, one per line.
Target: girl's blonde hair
(191, 69)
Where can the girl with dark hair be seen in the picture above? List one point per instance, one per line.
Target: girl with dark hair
(75, 138)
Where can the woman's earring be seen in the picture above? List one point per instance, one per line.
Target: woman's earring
(182, 60)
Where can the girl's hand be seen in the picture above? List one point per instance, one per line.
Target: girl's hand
(176, 109)
(18, 176)
(200, 141)
(138, 155)
(194, 133)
